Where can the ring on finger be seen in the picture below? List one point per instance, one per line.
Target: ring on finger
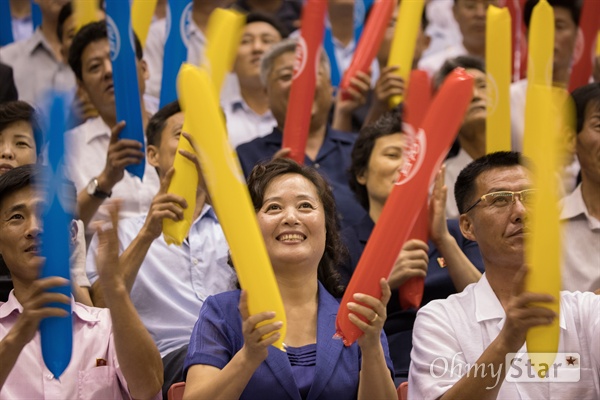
(374, 318)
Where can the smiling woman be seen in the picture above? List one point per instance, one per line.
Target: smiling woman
(230, 355)
(20, 135)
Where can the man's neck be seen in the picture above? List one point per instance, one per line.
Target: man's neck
(475, 50)
(255, 97)
(475, 145)
(266, 6)
(342, 26)
(501, 281)
(201, 200)
(590, 191)
(315, 141)
(20, 9)
(200, 13)
(560, 77)
(110, 119)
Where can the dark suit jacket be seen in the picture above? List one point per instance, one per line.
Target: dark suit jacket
(217, 337)
(8, 90)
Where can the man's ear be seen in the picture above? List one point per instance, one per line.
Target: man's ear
(144, 69)
(466, 227)
(152, 153)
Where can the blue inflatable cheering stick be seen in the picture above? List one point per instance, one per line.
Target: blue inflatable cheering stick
(179, 14)
(57, 332)
(127, 93)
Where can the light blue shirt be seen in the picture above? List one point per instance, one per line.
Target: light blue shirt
(174, 281)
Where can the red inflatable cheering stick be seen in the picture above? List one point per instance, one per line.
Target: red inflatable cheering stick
(589, 24)
(302, 92)
(427, 147)
(418, 98)
(369, 43)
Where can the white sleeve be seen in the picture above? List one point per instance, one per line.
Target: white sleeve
(437, 361)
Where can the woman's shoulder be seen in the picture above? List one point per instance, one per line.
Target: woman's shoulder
(223, 299)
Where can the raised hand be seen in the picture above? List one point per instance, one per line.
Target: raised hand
(36, 308)
(522, 314)
(438, 227)
(121, 153)
(411, 262)
(164, 205)
(257, 339)
(374, 312)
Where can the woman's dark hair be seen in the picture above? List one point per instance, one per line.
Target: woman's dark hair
(335, 250)
(17, 111)
(388, 124)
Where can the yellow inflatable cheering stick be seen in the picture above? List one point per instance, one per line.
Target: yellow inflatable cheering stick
(498, 66)
(539, 69)
(405, 38)
(543, 246)
(85, 11)
(141, 18)
(223, 36)
(229, 195)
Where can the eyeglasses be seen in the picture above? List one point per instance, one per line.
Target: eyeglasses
(504, 198)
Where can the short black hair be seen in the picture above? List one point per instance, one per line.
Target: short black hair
(65, 12)
(388, 124)
(466, 62)
(464, 188)
(269, 19)
(16, 111)
(574, 7)
(584, 96)
(157, 123)
(19, 178)
(335, 250)
(93, 32)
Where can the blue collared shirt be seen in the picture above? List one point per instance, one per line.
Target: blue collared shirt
(332, 161)
(174, 281)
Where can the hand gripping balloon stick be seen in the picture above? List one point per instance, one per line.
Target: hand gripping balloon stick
(418, 99)
(127, 93)
(402, 52)
(185, 178)
(229, 195)
(426, 150)
(302, 92)
(85, 11)
(539, 72)
(498, 65)
(589, 23)
(369, 43)
(543, 246)
(57, 332)
(175, 49)
(224, 32)
(142, 12)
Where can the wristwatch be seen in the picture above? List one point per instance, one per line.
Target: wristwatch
(92, 189)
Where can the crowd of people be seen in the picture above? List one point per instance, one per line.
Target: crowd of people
(147, 315)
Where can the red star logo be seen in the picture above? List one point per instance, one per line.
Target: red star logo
(571, 360)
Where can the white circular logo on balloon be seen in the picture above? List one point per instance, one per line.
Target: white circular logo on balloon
(414, 153)
(185, 25)
(114, 39)
(300, 57)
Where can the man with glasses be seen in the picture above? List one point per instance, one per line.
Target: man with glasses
(460, 344)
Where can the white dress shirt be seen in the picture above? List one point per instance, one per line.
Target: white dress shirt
(85, 158)
(173, 281)
(36, 70)
(434, 62)
(581, 245)
(456, 331)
